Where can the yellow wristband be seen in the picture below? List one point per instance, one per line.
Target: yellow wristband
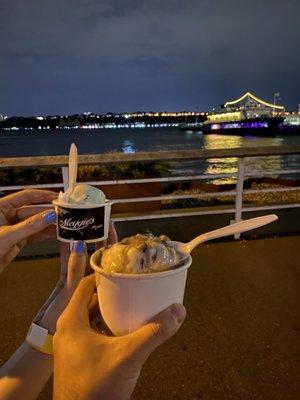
(40, 339)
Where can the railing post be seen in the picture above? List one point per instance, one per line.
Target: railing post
(65, 176)
(239, 193)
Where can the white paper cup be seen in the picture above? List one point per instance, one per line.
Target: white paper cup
(128, 301)
(89, 223)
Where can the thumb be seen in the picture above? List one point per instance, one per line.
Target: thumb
(30, 226)
(159, 329)
(76, 266)
(78, 307)
(112, 234)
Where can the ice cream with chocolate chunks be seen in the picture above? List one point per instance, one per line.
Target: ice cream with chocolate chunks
(140, 254)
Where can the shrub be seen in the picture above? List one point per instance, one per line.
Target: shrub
(21, 176)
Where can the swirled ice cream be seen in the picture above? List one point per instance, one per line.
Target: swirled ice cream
(140, 254)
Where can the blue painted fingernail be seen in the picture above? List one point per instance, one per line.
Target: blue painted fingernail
(49, 217)
(78, 247)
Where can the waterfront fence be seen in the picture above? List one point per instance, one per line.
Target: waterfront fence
(175, 156)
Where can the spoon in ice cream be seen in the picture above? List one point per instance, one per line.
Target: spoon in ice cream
(72, 172)
(238, 227)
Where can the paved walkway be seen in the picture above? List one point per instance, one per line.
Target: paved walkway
(241, 339)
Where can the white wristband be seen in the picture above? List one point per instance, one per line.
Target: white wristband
(39, 338)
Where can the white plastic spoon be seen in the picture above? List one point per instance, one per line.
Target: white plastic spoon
(238, 227)
(72, 171)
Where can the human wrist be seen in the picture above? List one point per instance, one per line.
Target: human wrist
(38, 354)
(48, 322)
(50, 316)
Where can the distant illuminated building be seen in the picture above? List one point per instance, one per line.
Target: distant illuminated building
(292, 120)
(247, 106)
(253, 106)
(247, 113)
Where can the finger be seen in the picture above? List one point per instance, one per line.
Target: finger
(27, 211)
(94, 307)
(76, 266)
(78, 308)
(98, 245)
(65, 287)
(60, 285)
(161, 328)
(112, 237)
(28, 196)
(96, 320)
(23, 230)
(64, 257)
(3, 219)
(11, 254)
(112, 234)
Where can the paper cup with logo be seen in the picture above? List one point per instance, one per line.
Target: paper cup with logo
(128, 301)
(89, 223)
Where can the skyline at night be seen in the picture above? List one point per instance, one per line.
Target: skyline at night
(67, 57)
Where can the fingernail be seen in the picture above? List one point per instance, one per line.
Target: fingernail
(78, 247)
(49, 216)
(178, 312)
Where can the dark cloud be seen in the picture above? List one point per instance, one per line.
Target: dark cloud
(64, 56)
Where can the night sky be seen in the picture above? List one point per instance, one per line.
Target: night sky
(71, 56)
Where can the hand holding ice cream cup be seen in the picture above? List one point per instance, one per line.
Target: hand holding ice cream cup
(134, 281)
(83, 212)
(142, 275)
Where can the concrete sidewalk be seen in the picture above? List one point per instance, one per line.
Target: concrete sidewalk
(241, 339)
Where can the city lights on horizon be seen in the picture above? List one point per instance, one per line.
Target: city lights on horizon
(116, 115)
(248, 106)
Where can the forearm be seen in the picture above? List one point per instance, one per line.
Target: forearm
(25, 374)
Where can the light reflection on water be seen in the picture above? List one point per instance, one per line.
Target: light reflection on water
(153, 139)
(222, 165)
(128, 147)
(253, 164)
(222, 141)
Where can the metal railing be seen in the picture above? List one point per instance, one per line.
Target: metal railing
(186, 155)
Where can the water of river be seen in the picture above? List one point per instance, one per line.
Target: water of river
(150, 139)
